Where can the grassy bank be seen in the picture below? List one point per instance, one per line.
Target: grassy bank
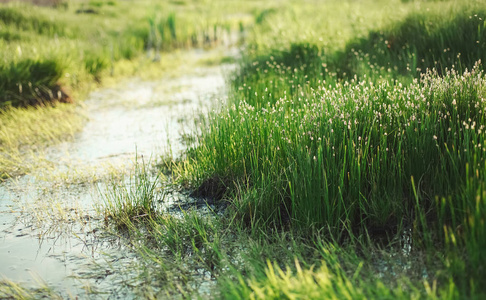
(25, 131)
(373, 129)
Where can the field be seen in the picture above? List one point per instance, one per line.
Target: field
(347, 161)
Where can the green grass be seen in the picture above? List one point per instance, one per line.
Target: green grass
(359, 137)
(131, 200)
(440, 39)
(361, 159)
(352, 144)
(25, 132)
(48, 47)
(57, 54)
(179, 254)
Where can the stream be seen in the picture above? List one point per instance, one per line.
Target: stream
(50, 231)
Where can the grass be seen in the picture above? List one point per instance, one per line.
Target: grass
(25, 132)
(352, 144)
(58, 53)
(325, 171)
(53, 49)
(380, 135)
(359, 159)
(12, 290)
(132, 201)
(349, 152)
(178, 255)
(437, 39)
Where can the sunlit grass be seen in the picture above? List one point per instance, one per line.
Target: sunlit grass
(26, 132)
(359, 137)
(350, 150)
(12, 290)
(127, 201)
(358, 158)
(48, 47)
(335, 143)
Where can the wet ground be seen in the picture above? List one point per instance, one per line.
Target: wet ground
(50, 232)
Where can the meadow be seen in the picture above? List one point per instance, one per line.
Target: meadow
(348, 161)
(365, 127)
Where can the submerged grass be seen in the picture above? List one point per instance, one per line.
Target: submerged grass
(12, 290)
(208, 256)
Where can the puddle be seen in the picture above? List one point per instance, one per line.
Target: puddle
(48, 233)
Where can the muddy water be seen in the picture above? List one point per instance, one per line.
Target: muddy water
(49, 233)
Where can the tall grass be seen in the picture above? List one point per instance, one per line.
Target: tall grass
(337, 131)
(381, 44)
(349, 152)
(422, 40)
(380, 136)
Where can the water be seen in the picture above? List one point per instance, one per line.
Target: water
(141, 116)
(49, 230)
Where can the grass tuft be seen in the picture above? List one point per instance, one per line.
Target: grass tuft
(128, 203)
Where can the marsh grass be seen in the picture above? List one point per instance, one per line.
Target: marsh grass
(133, 199)
(175, 253)
(314, 283)
(438, 39)
(12, 290)
(343, 152)
(55, 220)
(49, 49)
(77, 175)
(380, 45)
(373, 139)
(178, 253)
(26, 132)
(353, 149)
(298, 264)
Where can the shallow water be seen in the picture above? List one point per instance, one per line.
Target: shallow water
(49, 233)
(142, 117)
